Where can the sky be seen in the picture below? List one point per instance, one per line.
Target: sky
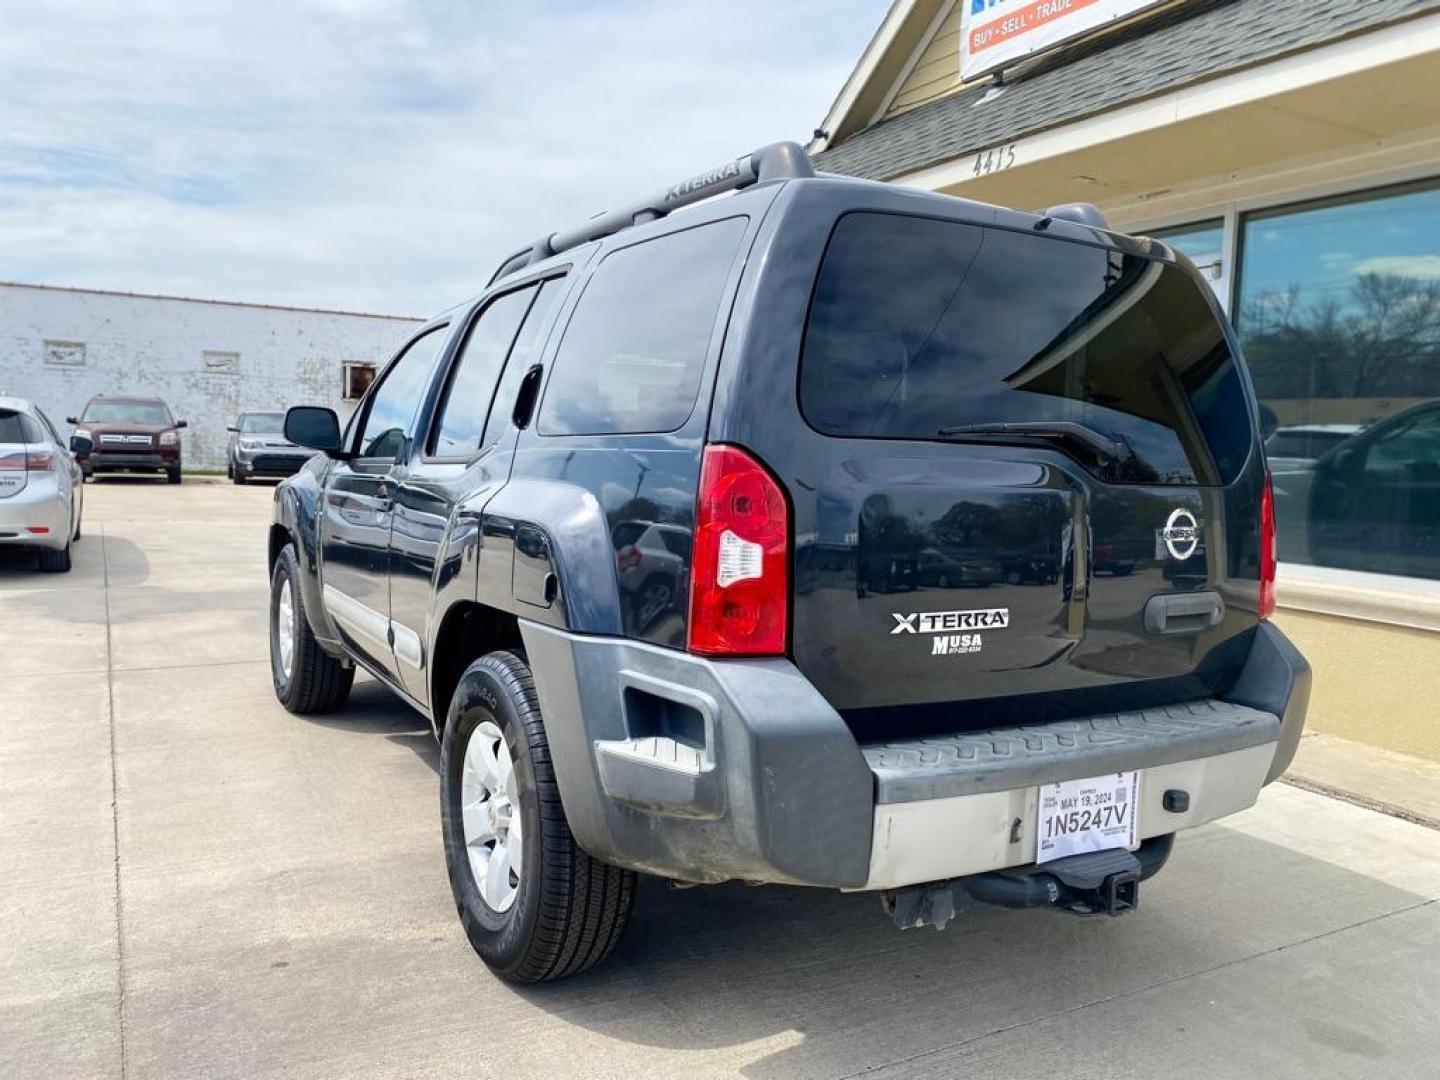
(375, 155)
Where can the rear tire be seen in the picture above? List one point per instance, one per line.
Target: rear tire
(55, 562)
(562, 911)
(308, 680)
(172, 475)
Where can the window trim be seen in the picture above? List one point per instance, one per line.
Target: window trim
(436, 414)
(362, 410)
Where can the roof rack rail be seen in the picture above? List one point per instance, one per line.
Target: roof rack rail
(778, 161)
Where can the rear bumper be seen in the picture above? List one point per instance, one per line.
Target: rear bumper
(103, 461)
(707, 770)
(249, 463)
(40, 504)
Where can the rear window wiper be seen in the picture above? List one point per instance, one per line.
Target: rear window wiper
(1101, 445)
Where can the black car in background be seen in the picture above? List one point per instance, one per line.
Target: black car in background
(655, 532)
(1375, 499)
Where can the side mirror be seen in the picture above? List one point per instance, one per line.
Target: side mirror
(232, 429)
(182, 423)
(72, 420)
(80, 445)
(315, 427)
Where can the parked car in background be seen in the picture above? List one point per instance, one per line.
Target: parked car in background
(128, 435)
(41, 492)
(815, 372)
(1299, 446)
(1374, 500)
(259, 450)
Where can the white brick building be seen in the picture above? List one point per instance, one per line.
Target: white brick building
(209, 359)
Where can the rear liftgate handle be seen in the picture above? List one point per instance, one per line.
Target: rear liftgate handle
(1183, 613)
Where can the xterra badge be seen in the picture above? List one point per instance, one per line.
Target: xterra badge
(945, 622)
(1181, 534)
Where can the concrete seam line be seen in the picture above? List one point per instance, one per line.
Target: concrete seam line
(1140, 989)
(1363, 801)
(114, 807)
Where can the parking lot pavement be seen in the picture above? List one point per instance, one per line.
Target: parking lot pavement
(195, 883)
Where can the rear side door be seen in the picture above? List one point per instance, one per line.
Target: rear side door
(465, 453)
(357, 506)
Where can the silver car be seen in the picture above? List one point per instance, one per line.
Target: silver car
(41, 492)
(258, 448)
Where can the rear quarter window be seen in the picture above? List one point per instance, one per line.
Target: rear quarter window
(634, 350)
(919, 324)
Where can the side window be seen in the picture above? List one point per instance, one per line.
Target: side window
(634, 350)
(523, 355)
(392, 406)
(473, 375)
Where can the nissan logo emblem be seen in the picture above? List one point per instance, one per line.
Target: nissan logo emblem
(1181, 534)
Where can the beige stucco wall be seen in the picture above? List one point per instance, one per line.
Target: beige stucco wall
(1374, 683)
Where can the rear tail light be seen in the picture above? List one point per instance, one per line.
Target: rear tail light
(42, 462)
(1267, 549)
(740, 579)
(13, 462)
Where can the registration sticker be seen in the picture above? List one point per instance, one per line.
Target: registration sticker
(1076, 816)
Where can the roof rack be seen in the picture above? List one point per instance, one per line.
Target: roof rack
(778, 161)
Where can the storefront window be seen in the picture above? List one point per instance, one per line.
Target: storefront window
(1339, 316)
(1202, 242)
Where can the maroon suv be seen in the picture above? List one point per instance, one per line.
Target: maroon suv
(129, 434)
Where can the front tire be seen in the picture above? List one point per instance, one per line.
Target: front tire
(307, 678)
(533, 904)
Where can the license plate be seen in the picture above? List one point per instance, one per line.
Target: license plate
(1076, 816)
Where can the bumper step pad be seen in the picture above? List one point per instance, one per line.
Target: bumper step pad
(1001, 759)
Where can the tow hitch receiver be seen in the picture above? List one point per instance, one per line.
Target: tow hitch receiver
(1100, 882)
(1096, 883)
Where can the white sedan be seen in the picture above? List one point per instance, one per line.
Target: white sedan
(40, 485)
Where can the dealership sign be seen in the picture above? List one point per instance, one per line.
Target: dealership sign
(996, 33)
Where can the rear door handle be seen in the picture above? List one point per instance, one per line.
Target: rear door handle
(1183, 613)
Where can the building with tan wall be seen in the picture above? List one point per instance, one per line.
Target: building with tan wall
(1291, 148)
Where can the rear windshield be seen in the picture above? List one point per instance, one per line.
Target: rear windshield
(18, 428)
(919, 325)
(127, 412)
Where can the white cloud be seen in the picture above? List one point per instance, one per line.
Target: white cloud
(354, 153)
(1419, 267)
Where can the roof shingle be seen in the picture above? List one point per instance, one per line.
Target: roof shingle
(1173, 51)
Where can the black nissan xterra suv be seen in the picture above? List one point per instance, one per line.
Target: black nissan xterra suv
(804, 390)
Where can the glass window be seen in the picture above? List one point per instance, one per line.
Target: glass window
(117, 411)
(16, 427)
(1339, 315)
(473, 375)
(523, 355)
(391, 408)
(919, 325)
(1202, 243)
(262, 423)
(635, 347)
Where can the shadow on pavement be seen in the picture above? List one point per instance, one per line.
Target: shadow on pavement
(829, 978)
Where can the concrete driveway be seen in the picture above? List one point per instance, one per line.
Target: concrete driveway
(195, 883)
